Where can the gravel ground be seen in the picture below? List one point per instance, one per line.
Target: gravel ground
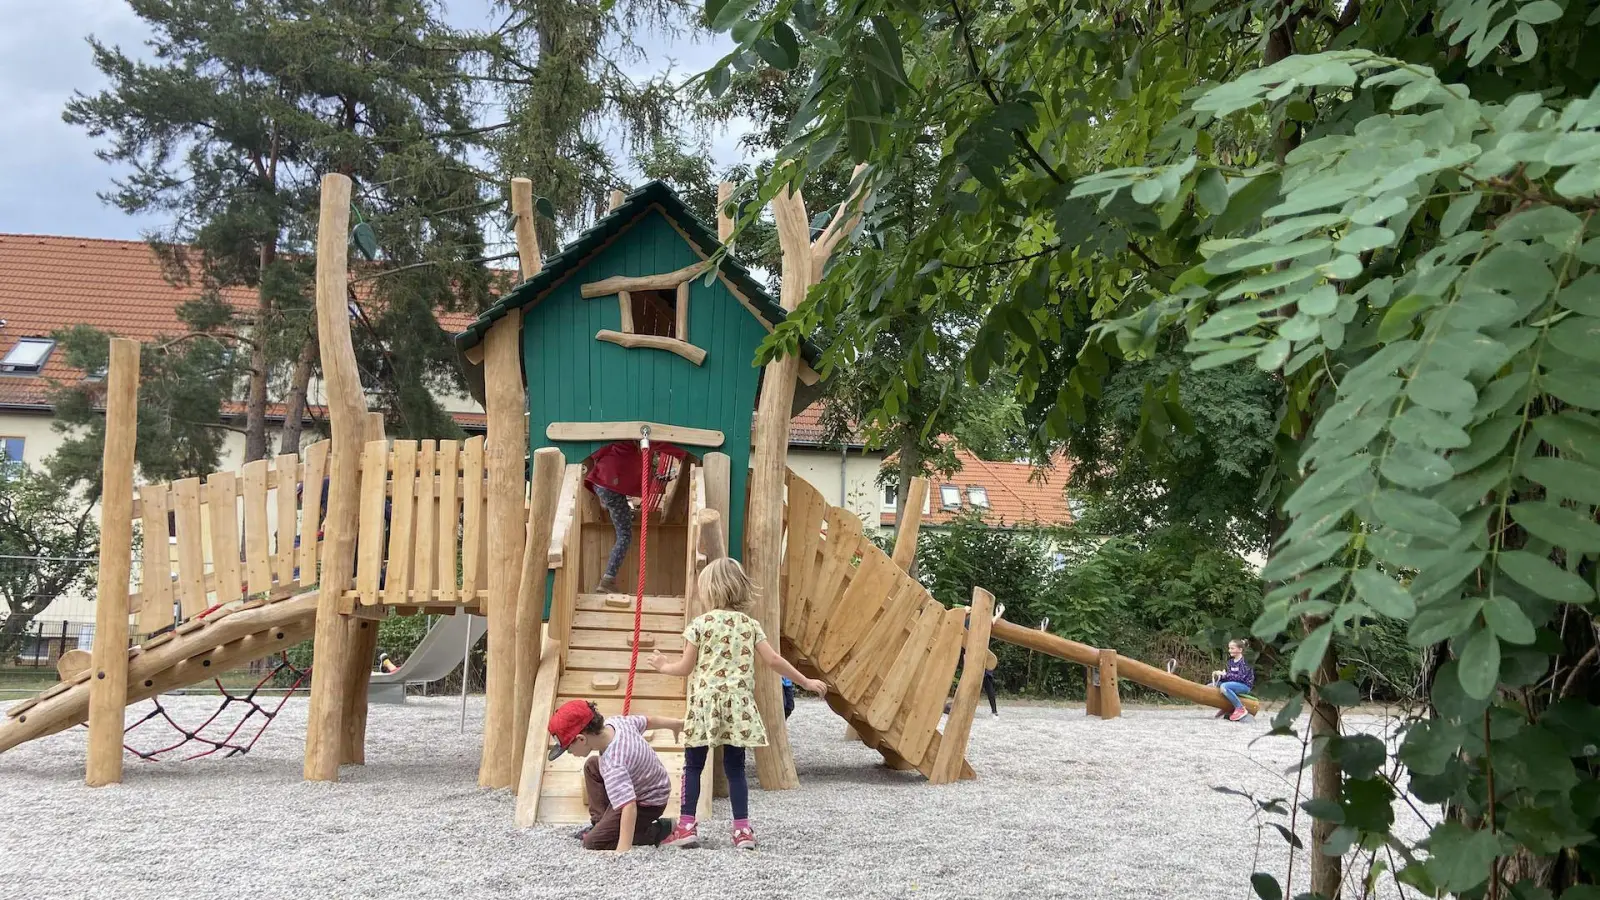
(1064, 806)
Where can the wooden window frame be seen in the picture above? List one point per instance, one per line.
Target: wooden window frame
(623, 288)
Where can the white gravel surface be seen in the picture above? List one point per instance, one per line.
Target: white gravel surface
(1064, 806)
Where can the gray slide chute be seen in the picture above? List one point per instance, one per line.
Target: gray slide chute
(437, 655)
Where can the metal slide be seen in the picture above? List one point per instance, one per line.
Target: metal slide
(437, 655)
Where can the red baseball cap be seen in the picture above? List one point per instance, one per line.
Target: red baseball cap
(569, 722)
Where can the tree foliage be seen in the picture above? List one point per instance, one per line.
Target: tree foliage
(1385, 207)
(48, 536)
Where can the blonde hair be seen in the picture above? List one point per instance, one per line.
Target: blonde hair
(724, 585)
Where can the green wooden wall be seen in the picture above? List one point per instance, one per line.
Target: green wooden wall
(572, 377)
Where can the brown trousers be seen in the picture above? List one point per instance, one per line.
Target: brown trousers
(607, 820)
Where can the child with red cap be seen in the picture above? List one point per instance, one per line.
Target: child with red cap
(626, 783)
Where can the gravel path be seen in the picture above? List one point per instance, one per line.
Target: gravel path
(1065, 806)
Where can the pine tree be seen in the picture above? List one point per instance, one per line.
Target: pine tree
(228, 132)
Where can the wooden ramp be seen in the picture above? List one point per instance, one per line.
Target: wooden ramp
(196, 651)
(886, 646)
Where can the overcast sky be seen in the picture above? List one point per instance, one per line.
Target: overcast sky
(49, 174)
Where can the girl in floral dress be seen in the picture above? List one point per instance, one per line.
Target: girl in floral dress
(720, 650)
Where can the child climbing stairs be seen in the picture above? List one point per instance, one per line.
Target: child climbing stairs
(597, 670)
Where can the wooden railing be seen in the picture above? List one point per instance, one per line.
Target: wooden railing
(230, 536)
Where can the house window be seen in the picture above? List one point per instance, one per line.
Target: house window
(949, 496)
(891, 496)
(27, 357)
(11, 449)
(978, 497)
(655, 312)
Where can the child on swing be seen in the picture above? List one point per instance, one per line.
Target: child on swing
(719, 656)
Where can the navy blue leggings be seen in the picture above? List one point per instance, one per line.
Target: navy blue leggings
(694, 762)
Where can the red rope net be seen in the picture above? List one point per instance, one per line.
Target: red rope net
(214, 734)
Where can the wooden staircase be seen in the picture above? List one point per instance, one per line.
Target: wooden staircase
(596, 669)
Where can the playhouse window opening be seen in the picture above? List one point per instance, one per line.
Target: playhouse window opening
(655, 313)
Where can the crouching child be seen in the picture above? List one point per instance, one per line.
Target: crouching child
(626, 783)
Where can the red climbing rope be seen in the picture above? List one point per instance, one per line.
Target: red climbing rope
(646, 479)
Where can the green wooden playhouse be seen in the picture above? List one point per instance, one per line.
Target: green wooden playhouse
(621, 327)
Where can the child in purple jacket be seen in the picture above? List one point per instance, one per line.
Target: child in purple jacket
(1238, 678)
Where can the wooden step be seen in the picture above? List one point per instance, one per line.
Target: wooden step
(609, 660)
(669, 642)
(622, 620)
(647, 685)
(657, 605)
(611, 705)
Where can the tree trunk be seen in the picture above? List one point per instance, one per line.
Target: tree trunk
(1326, 778)
(295, 404)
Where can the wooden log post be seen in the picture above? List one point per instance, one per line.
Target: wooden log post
(1110, 699)
(958, 726)
(347, 408)
(505, 450)
(353, 745)
(905, 538)
(108, 689)
(549, 467)
(615, 199)
(802, 266)
(718, 474)
(724, 220)
(1091, 691)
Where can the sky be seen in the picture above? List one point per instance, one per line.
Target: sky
(50, 177)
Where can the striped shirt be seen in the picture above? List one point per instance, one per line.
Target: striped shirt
(630, 767)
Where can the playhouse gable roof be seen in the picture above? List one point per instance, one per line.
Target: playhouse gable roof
(580, 250)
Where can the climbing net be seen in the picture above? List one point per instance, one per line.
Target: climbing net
(213, 735)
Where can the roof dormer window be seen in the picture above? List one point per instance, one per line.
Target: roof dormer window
(27, 357)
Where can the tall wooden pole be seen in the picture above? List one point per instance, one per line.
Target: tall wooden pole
(347, 408)
(548, 468)
(802, 266)
(108, 691)
(353, 747)
(724, 221)
(506, 448)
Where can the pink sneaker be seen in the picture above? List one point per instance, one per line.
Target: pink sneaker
(685, 838)
(744, 838)
(1238, 714)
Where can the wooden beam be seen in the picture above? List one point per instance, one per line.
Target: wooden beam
(683, 314)
(108, 689)
(665, 281)
(506, 449)
(630, 431)
(549, 467)
(363, 653)
(528, 256)
(684, 349)
(541, 705)
(625, 311)
(905, 541)
(566, 512)
(724, 221)
(346, 414)
(958, 726)
(1110, 699)
(616, 199)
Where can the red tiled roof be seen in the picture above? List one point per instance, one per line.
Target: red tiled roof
(1016, 497)
(48, 283)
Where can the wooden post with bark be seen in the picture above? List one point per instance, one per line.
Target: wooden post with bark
(905, 539)
(803, 261)
(347, 407)
(1110, 698)
(353, 747)
(108, 689)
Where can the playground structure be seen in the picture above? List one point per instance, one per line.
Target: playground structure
(256, 563)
